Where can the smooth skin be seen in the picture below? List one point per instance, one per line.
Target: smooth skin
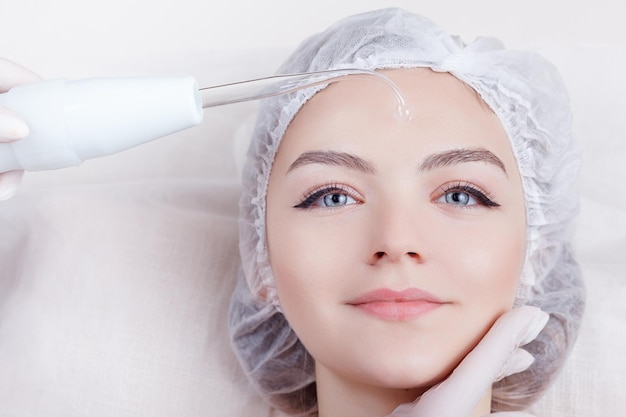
(360, 201)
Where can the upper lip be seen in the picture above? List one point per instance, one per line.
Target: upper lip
(391, 296)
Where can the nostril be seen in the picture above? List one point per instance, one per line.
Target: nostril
(380, 255)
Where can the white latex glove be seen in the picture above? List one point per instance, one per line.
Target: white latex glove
(12, 127)
(497, 355)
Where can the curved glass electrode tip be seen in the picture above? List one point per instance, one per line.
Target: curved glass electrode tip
(276, 85)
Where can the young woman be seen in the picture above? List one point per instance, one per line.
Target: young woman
(378, 252)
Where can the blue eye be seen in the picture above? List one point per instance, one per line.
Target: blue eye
(336, 200)
(465, 195)
(458, 198)
(329, 197)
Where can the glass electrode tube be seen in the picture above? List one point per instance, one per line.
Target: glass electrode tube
(275, 85)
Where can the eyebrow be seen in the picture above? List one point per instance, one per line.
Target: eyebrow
(333, 158)
(434, 161)
(461, 155)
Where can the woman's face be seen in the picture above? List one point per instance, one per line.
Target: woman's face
(395, 244)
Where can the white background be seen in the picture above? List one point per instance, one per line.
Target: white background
(77, 38)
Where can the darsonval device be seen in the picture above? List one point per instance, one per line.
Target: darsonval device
(72, 121)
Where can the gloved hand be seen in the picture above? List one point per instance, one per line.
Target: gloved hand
(496, 356)
(12, 127)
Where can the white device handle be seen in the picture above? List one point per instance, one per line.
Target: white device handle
(71, 121)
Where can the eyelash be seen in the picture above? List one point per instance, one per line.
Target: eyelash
(311, 197)
(482, 197)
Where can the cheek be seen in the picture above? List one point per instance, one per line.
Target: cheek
(487, 266)
(310, 268)
(482, 274)
(307, 263)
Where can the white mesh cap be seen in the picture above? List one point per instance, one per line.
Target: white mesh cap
(526, 93)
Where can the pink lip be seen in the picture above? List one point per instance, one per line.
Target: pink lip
(394, 305)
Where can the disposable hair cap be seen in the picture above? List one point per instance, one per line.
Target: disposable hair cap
(525, 92)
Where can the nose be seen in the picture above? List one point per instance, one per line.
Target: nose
(397, 235)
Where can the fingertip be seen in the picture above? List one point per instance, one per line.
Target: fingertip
(537, 320)
(518, 361)
(12, 127)
(15, 74)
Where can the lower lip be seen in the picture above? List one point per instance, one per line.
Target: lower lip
(398, 310)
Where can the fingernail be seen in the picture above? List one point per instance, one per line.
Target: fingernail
(519, 361)
(12, 127)
(534, 326)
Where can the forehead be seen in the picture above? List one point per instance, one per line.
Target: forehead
(359, 116)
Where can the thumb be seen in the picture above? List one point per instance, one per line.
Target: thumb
(495, 356)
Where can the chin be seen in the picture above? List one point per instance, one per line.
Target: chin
(407, 374)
